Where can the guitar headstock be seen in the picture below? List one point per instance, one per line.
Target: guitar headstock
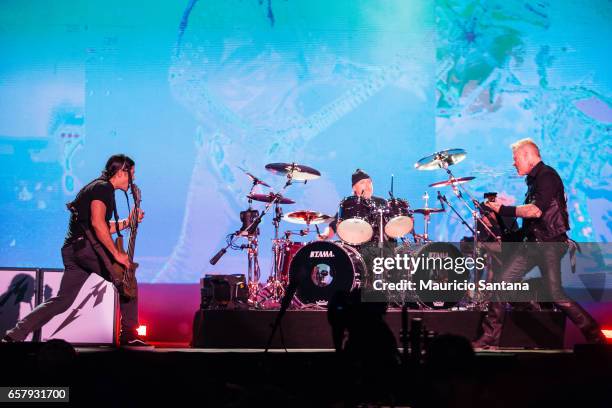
(136, 195)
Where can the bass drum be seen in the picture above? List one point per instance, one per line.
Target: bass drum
(320, 269)
(433, 257)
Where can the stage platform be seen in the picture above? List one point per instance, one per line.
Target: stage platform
(309, 329)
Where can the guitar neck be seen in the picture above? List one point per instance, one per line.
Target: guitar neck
(133, 233)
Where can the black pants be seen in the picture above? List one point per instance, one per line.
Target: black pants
(80, 260)
(547, 257)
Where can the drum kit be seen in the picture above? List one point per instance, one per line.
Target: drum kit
(320, 268)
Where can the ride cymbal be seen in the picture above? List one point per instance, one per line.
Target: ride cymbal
(298, 172)
(441, 160)
(452, 181)
(268, 198)
(307, 217)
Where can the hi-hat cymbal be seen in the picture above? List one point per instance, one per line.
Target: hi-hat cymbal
(427, 210)
(452, 181)
(254, 179)
(307, 217)
(441, 160)
(267, 198)
(298, 172)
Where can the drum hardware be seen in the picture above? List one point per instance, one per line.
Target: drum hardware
(429, 271)
(290, 171)
(255, 180)
(442, 160)
(426, 211)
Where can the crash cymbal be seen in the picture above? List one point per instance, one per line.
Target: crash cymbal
(267, 198)
(254, 179)
(298, 172)
(441, 160)
(307, 217)
(452, 181)
(427, 210)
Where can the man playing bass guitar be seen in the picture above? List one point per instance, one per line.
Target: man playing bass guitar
(88, 241)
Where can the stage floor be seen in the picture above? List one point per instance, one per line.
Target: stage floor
(162, 348)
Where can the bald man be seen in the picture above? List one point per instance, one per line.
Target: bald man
(545, 220)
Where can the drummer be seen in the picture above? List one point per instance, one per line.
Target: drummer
(362, 187)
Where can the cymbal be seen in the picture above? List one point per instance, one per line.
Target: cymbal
(307, 217)
(441, 160)
(298, 172)
(254, 179)
(427, 210)
(452, 181)
(267, 198)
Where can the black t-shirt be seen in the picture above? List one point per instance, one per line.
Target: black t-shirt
(99, 189)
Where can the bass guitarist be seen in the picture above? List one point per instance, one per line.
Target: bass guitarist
(91, 210)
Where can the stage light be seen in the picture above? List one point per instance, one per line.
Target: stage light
(607, 333)
(142, 330)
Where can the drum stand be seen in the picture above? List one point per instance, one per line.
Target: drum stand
(252, 246)
(275, 286)
(474, 228)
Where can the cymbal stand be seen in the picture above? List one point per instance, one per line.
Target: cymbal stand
(475, 213)
(381, 240)
(275, 286)
(477, 218)
(253, 271)
(254, 283)
(426, 219)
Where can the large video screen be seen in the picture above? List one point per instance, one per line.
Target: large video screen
(198, 92)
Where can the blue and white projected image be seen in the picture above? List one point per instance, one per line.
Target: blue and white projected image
(196, 90)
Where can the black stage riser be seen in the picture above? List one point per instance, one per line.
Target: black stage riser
(311, 330)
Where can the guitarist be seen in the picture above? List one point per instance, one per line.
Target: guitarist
(92, 210)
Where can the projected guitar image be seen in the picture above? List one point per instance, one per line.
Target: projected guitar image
(230, 97)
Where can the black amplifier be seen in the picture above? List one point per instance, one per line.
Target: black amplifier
(224, 292)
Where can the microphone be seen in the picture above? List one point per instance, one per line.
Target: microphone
(217, 256)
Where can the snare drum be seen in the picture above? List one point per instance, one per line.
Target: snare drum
(398, 218)
(354, 220)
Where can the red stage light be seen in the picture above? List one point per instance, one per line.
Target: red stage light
(142, 330)
(607, 333)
